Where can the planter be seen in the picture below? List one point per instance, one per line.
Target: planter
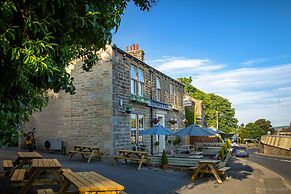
(164, 166)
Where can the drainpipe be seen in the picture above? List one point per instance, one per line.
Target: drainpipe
(151, 111)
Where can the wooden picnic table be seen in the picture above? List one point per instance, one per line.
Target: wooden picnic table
(26, 157)
(187, 148)
(89, 182)
(138, 156)
(91, 151)
(209, 166)
(41, 167)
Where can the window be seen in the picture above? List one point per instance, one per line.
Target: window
(133, 81)
(136, 126)
(158, 90)
(137, 81)
(140, 126)
(140, 82)
(174, 94)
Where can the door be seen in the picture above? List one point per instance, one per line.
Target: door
(161, 138)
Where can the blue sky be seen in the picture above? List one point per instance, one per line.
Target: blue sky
(240, 50)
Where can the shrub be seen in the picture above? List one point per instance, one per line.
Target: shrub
(228, 143)
(165, 160)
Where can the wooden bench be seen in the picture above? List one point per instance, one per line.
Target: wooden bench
(18, 175)
(45, 191)
(7, 164)
(127, 158)
(175, 161)
(223, 170)
(90, 151)
(89, 182)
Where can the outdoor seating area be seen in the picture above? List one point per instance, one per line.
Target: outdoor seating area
(30, 169)
(83, 150)
(139, 157)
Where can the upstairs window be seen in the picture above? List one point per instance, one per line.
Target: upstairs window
(133, 80)
(136, 81)
(140, 82)
(174, 94)
(158, 90)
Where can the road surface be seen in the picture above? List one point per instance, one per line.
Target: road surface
(278, 165)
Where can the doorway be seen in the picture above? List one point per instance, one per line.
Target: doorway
(161, 138)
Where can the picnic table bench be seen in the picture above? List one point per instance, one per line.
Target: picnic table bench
(24, 158)
(39, 168)
(90, 151)
(139, 156)
(89, 182)
(209, 167)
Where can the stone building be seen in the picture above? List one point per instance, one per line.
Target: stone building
(113, 103)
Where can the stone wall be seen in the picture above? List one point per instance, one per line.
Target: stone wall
(276, 145)
(121, 93)
(83, 118)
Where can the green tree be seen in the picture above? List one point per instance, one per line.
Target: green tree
(213, 105)
(251, 131)
(38, 39)
(265, 125)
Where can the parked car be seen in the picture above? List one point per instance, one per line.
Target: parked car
(240, 151)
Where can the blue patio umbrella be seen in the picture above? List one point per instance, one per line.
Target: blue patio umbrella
(157, 130)
(195, 130)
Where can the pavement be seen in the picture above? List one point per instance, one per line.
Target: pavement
(246, 177)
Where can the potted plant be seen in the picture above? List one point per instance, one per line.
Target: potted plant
(169, 141)
(157, 143)
(164, 161)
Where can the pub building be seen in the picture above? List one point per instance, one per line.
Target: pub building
(114, 102)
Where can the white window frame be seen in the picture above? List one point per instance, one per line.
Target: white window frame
(158, 89)
(133, 80)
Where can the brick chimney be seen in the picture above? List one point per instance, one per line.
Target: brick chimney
(134, 51)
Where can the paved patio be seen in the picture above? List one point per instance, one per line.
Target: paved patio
(144, 181)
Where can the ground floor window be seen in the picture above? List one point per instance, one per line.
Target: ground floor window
(136, 127)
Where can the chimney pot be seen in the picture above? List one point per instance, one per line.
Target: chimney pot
(126, 49)
(133, 45)
(136, 47)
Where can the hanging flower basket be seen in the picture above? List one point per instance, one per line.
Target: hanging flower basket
(128, 110)
(173, 121)
(185, 121)
(155, 120)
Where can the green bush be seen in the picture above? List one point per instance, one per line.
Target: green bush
(157, 143)
(169, 141)
(223, 152)
(228, 143)
(165, 160)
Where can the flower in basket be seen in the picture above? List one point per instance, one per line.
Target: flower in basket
(128, 109)
(155, 120)
(185, 121)
(173, 121)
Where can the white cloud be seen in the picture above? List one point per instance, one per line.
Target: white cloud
(263, 59)
(257, 92)
(255, 61)
(180, 65)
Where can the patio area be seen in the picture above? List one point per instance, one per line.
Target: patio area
(153, 180)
